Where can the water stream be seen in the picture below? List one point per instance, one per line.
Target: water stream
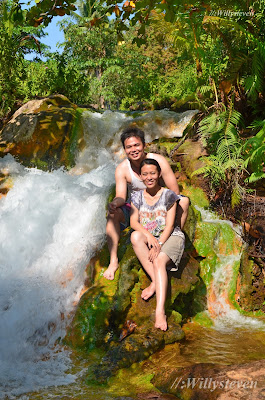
(51, 225)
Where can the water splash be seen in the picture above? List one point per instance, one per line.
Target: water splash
(226, 317)
(51, 224)
(102, 133)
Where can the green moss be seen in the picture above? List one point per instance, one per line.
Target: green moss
(136, 289)
(177, 317)
(196, 195)
(75, 137)
(229, 242)
(40, 164)
(203, 319)
(131, 381)
(168, 145)
(233, 285)
(207, 268)
(112, 193)
(205, 237)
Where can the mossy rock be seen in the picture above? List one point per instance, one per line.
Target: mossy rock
(191, 160)
(90, 327)
(128, 305)
(44, 133)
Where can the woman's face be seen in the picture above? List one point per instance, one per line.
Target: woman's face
(150, 175)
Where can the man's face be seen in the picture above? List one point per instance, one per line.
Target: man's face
(134, 148)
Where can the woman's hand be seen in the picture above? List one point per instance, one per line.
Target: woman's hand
(153, 253)
(151, 241)
(154, 247)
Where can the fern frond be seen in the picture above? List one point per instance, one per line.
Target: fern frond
(205, 89)
(258, 124)
(213, 170)
(255, 176)
(236, 195)
(254, 84)
(254, 152)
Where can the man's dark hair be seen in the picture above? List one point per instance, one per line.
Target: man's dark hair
(132, 132)
(150, 161)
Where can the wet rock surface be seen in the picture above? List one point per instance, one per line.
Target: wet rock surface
(43, 133)
(107, 305)
(210, 382)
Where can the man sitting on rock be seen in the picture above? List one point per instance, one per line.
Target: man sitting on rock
(127, 177)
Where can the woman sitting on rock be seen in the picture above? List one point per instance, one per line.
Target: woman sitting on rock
(157, 241)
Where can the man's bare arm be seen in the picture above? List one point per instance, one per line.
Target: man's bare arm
(121, 189)
(167, 174)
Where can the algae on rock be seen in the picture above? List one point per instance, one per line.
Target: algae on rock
(44, 133)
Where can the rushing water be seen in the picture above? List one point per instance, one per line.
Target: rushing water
(225, 317)
(51, 225)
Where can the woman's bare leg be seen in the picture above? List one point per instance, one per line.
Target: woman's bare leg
(161, 281)
(141, 250)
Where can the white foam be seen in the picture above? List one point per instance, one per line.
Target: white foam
(226, 318)
(51, 224)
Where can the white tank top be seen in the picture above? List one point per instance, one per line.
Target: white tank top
(136, 183)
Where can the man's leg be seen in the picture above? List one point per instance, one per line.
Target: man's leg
(182, 211)
(141, 250)
(113, 236)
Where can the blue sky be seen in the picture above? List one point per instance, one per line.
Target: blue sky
(54, 34)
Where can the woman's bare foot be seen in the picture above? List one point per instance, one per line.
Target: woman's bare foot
(110, 271)
(148, 292)
(161, 321)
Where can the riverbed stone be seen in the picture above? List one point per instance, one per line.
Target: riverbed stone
(212, 382)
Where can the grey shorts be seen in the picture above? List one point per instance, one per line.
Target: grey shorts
(173, 248)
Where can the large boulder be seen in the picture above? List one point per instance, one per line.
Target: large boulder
(45, 133)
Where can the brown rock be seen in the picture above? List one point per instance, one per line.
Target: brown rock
(43, 133)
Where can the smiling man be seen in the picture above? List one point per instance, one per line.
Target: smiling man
(127, 177)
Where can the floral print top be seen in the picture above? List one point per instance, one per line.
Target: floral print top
(153, 218)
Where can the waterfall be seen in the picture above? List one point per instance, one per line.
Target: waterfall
(51, 225)
(223, 313)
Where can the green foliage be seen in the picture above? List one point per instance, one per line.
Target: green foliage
(19, 34)
(254, 152)
(155, 54)
(225, 168)
(13, 45)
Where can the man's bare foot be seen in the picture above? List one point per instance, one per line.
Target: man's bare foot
(110, 271)
(148, 292)
(161, 321)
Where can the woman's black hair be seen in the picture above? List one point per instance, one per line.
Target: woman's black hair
(150, 161)
(132, 132)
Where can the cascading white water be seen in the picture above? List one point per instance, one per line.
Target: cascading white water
(51, 225)
(226, 317)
